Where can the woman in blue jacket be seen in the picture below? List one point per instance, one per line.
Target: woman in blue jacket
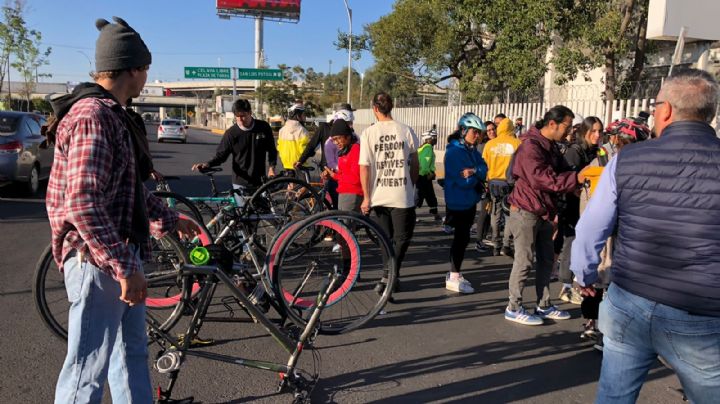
(465, 171)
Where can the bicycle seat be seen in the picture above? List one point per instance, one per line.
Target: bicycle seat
(210, 170)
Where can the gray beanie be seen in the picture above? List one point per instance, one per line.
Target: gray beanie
(119, 47)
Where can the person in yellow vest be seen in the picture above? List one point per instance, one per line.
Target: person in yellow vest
(497, 154)
(293, 137)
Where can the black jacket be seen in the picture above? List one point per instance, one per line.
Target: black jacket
(249, 150)
(578, 156)
(322, 134)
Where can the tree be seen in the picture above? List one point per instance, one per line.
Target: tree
(12, 24)
(26, 49)
(28, 58)
(488, 45)
(380, 78)
(279, 95)
(360, 43)
(604, 33)
(42, 105)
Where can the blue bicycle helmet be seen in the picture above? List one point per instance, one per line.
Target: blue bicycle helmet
(460, 121)
(471, 120)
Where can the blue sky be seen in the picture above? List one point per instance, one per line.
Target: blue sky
(189, 33)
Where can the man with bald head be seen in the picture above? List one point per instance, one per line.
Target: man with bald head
(662, 198)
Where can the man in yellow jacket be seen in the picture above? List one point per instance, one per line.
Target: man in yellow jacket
(497, 154)
(293, 137)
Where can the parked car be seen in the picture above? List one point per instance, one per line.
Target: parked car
(25, 157)
(172, 129)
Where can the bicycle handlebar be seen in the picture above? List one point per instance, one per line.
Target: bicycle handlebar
(210, 170)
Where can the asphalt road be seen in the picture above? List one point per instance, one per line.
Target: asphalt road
(431, 346)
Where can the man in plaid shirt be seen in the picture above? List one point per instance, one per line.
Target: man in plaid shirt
(101, 217)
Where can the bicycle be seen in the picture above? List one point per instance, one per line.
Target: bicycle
(321, 238)
(274, 204)
(164, 291)
(173, 351)
(320, 187)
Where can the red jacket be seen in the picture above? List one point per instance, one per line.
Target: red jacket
(348, 173)
(541, 174)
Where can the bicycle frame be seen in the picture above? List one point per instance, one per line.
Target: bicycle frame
(172, 354)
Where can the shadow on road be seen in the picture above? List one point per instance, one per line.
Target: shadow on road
(517, 383)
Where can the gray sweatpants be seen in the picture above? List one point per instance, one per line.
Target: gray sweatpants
(533, 239)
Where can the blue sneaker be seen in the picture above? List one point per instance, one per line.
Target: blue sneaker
(552, 313)
(523, 317)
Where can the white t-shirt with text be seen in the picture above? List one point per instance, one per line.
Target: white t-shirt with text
(385, 148)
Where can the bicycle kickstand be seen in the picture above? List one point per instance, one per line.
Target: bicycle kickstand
(163, 395)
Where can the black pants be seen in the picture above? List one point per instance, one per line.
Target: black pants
(331, 188)
(590, 306)
(461, 220)
(426, 192)
(398, 224)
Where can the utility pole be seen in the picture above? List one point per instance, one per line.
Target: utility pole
(349, 83)
(258, 56)
(234, 79)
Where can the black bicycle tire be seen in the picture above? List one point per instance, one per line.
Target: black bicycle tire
(285, 239)
(39, 296)
(40, 273)
(254, 199)
(254, 203)
(190, 204)
(202, 205)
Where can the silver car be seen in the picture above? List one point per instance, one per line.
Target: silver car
(24, 157)
(172, 129)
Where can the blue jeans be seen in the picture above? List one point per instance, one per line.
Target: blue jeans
(637, 330)
(106, 341)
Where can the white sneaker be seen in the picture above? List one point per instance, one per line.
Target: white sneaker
(460, 285)
(336, 248)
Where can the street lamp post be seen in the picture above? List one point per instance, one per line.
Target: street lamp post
(86, 57)
(349, 13)
(362, 81)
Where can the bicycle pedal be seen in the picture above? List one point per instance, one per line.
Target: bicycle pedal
(197, 341)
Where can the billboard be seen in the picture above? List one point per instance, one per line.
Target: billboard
(666, 17)
(279, 10)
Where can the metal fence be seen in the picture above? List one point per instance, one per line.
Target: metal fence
(421, 119)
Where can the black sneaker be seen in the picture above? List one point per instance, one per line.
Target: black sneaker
(481, 248)
(496, 251)
(506, 251)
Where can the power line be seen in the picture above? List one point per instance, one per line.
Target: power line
(154, 52)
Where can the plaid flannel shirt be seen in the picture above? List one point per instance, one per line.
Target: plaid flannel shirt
(92, 187)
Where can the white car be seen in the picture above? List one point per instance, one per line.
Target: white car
(172, 129)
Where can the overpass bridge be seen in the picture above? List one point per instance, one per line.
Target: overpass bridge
(185, 93)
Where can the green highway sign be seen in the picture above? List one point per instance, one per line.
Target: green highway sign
(259, 74)
(222, 73)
